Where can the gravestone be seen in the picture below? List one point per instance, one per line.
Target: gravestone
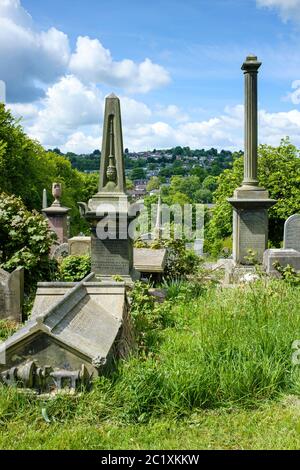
(74, 332)
(108, 212)
(147, 260)
(11, 294)
(60, 251)
(292, 233)
(79, 246)
(284, 257)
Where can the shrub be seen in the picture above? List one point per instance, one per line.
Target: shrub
(74, 268)
(25, 240)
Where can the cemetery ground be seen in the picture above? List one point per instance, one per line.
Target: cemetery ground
(212, 369)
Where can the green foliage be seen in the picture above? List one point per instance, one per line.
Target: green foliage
(74, 268)
(180, 260)
(288, 274)
(25, 240)
(154, 183)
(7, 328)
(26, 168)
(279, 172)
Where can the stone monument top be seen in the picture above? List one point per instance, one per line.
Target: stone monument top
(112, 182)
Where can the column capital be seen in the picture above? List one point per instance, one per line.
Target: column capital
(251, 64)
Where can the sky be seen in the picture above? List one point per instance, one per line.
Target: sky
(175, 64)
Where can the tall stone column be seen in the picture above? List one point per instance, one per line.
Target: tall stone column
(250, 67)
(250, 202)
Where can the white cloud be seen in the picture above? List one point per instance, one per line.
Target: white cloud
(31, 60)
(70, 117)
(294, 96)
(172, 112)
(92, 62)
(79, 142)
(28, 58)
(68, 105)
(288, 9)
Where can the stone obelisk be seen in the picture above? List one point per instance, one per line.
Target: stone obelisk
(108, 212)
(250, 202)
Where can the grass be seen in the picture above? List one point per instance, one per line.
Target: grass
(212, 372)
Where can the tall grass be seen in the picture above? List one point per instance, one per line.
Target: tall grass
(226, 348)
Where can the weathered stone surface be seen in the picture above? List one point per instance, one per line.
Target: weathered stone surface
(11, 294)
(59, 251)
(282, 256)
(147, 260)
(72, 325)
(79, 246)
(250, 232)
(292, 233)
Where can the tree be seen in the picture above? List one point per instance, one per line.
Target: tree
(137, 174)
(210, 183)
(153, 183)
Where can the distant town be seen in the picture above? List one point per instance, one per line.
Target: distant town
(147, 170)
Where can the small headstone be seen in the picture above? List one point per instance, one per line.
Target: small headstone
(79, 246)
(11, 294)
(60, 251)
(292, 233)
(284, 257)
(147, 260)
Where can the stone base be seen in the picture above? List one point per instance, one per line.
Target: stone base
(284, 257)
(250, 224)
(111, 257)
(237, 274)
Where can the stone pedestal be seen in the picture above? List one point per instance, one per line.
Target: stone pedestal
(250, 224)
(57, 215)
(58, 222)
(111, 246)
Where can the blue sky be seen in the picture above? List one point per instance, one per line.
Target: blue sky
(175, 65)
